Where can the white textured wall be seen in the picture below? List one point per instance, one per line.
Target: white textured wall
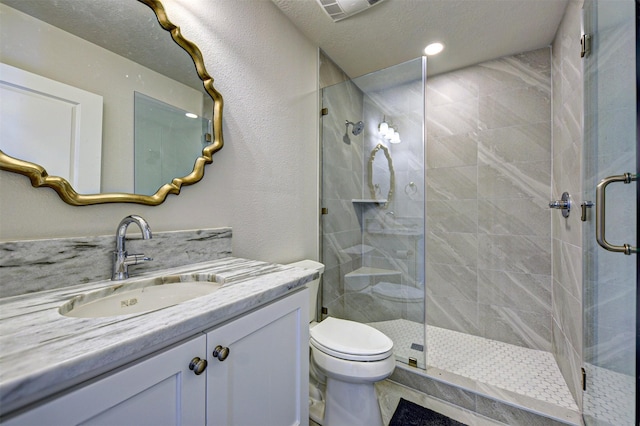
(263, 183)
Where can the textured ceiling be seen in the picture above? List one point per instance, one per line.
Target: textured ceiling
(395, 31)
(389, 33)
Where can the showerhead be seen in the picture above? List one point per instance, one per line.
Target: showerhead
(357, 127)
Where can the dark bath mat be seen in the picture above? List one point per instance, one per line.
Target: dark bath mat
(410, 414)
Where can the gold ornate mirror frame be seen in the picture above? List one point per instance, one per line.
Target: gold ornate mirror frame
(39, 176)
(392, 175)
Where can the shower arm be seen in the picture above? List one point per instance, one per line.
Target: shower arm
(357, 127)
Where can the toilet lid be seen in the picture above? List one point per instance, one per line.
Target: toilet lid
(350, 340)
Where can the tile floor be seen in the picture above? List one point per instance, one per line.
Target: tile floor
(609, 397)
(523, 371)
(519, 371)
(389, 394)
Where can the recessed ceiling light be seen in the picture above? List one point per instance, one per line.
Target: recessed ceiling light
(433, 49)
(191, 115)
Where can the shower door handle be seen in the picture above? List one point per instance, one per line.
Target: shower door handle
(600, 213)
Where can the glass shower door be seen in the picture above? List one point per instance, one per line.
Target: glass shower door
(373, 204)
(609, 277)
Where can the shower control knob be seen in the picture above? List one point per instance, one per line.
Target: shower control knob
(220, 352)
(198, 365)
(558, 204)
(563, 204)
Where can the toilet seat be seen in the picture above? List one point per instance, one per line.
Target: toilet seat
(350, 340)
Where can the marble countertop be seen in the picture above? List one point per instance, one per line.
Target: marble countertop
(43, 352)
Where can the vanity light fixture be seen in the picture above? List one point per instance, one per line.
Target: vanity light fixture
(433, 49)
(388, 132)
(395, 138)
(383, 127)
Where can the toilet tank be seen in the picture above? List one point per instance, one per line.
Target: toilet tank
(313, 285)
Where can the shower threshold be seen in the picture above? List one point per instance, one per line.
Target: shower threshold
(522, 377)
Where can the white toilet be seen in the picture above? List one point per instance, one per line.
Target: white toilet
(352, 357)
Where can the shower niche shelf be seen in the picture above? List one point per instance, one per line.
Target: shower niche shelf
(409, 232)
(358, 249)
(368, 277)
(367, 271)
(368, 201)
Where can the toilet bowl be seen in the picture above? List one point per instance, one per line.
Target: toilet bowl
(349, 357)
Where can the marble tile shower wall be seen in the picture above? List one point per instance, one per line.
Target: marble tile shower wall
(488, 183)
(567, 233)
(38, 265)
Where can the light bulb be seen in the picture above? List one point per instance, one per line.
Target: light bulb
(383, 128)
(389, 133)
(433, 49)
(395, 138)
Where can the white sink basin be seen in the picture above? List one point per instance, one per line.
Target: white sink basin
(140, 296)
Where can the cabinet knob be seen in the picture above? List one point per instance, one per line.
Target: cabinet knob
(198, 365)
(220, 352)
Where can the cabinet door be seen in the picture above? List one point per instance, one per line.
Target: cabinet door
(264, 379)
(160, 390)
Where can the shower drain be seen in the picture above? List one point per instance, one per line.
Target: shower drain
(417, 347)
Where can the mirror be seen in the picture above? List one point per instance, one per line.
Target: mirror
(382, 178)
(152, 62)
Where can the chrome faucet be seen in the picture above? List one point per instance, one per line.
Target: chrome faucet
(122, 260)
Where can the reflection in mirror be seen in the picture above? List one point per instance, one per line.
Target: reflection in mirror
(53, 124)
(167, 139)
(382, 179)
(121, 36)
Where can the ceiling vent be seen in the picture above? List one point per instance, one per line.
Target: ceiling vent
(342, 9)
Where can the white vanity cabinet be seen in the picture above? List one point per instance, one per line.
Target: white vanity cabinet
(263, 380)
(160, 390)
